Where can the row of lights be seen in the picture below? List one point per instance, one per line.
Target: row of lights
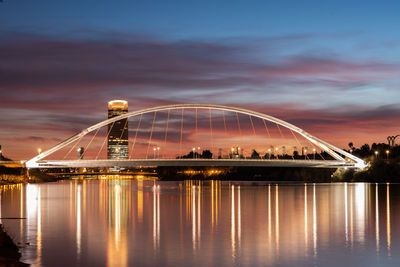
(377, 153)
(157, 149)
(198, 149)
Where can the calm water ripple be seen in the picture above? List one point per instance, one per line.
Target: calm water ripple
(212, 223)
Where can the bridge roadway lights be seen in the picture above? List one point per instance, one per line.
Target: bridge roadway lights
(194, 163)
(338, 154)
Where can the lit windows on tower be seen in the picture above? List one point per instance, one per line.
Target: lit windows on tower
(117, 141)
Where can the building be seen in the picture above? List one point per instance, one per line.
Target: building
(117, 141)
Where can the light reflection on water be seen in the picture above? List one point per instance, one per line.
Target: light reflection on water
(149, 223)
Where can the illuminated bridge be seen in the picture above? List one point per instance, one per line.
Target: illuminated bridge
(196, 135)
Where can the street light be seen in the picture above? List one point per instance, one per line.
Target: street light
(387, 153)
(154, 150)
(269, 153)
(39, 150)
(80, 152)
(314, 152)
(305, 153)
(198, 152)
(376, 153)
(193, 149)
(158, 152)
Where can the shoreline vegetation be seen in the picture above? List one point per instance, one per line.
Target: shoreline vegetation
(378, 171)
(20, 175)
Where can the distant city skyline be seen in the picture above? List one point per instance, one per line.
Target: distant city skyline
(329, 68)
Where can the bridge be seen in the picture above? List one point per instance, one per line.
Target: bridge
(193, 163)
(162, 135)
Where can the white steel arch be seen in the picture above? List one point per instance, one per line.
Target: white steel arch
(330, 149)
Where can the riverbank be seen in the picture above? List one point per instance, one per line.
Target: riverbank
(277, 174)
(21, 175)
(378, 171)
(9, 252)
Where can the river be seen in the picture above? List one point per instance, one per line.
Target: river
(116, 222)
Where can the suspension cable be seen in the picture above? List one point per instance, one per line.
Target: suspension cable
(211, 132)
(313, 147)
(223, 116)
(151, 134)
(196, 121)
(105, 139)
(266, 128)
(268, 133)
(238, 121)
(252, 125)
(73, 147)
(180, 139)
(297, 140)
(254, 130)
(321, 155)
(136, 134)
(196, 136)
(281, 134)
(225, 130)
(280, 131)
(240, 133)
(91, 140)
(166, 131)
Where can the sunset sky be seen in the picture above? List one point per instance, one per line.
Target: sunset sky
(329, 67)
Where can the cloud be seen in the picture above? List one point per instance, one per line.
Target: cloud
(35, 139)
(57, 86)
(52, 67)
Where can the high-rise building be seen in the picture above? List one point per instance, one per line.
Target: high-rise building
(117, 141)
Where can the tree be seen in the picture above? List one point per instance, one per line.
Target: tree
(255, 155)
(206, 154)
(351, 145)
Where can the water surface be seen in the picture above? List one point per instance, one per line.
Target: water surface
(213, 223)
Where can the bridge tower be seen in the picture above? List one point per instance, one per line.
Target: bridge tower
(117, 141)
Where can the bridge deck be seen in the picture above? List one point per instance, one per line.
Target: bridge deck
(193, 163)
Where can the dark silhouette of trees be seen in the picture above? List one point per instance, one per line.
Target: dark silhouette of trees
(206, 154)
(351, 146)
(255, 154)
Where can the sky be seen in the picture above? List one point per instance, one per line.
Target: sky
(329, 67)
